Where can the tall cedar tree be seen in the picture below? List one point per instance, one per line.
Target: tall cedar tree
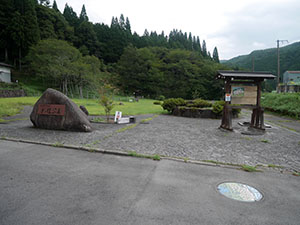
(23, 28)
(204, 50)
(6, 15)
(71, 16)
(53, 24)
(83, 15)
(54, 6)
(216, 55)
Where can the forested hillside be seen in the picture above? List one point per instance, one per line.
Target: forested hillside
(67, 51)
(266, 60)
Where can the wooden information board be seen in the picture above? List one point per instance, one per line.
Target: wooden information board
(53, 110)
(243, 95)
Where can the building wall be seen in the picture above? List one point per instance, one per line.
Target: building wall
(291, 77)
(5, 74)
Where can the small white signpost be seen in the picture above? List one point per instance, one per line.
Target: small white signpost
(227, 97)
(118, 116)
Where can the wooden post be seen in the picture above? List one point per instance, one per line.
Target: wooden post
(259, 112)
(253, 117)
(227, 111)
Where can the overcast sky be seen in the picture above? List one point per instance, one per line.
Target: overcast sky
(236, 27)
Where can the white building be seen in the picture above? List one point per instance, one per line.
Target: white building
(5, 73)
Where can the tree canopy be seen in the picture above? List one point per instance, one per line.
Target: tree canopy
(155, 71)
(60, 64)
(68, 51)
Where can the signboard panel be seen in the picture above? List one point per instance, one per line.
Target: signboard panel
(52, 110)
(123, 120)
(243, 95)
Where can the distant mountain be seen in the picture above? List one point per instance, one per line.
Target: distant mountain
(266, 60)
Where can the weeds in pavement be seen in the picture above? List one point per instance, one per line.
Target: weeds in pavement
(126, 128)
(274, 166)
(264, 141)
(297, 174)
(57, 144)
(248, 168)
(92, 150)
(148, 119)
(138, 155)
(247, 138)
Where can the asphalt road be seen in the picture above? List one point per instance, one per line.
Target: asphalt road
(48, 185)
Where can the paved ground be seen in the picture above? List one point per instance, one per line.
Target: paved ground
(47, 185)
(198, 139)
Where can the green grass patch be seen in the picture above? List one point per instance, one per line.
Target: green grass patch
(13, 106)
(297, 174)
(264, 141)
(12, 120)
(138, 155)
(248, 168)
(57, 144)
(127, 128)
(185, 159)
(274, 166)
(143, 106)
(148, 119)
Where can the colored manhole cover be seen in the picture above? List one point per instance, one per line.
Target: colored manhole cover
(240, 192)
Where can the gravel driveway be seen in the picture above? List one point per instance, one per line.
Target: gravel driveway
(198, 139)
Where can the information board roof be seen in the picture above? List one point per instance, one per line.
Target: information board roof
(222, 74)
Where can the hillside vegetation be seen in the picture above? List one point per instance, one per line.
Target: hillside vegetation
(283, 103)
(266, 60)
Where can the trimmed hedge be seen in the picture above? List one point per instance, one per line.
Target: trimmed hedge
(199, 103)
(217, 108)
(171, 103)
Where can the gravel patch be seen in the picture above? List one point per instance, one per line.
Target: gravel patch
(197, 139)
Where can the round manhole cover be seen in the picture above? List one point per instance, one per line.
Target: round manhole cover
(240, 192)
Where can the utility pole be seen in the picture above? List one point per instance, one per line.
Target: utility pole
(278, 60)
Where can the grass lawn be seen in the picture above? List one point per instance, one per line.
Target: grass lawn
(12, 106)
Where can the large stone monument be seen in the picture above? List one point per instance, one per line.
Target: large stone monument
(56, 111)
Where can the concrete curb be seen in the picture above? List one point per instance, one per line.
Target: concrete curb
(123, 153)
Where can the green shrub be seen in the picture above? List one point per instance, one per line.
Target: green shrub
(157, 103)
(200, 103)
(219, 105)
(9, 86)
(161, 98)
(171, 103)
(283, 103)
